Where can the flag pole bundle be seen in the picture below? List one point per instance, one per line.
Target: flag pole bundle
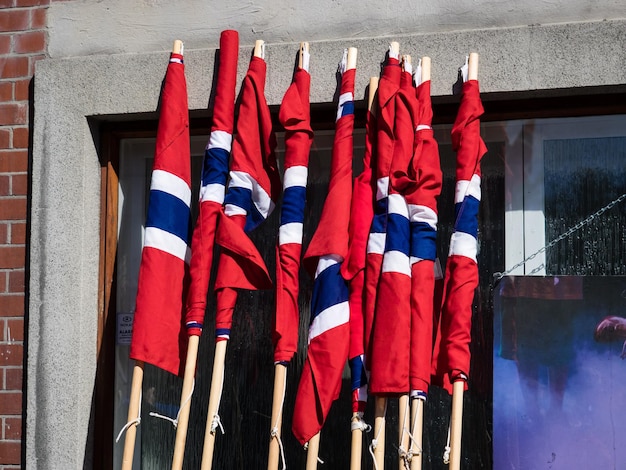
(329, 329)
(295, 117)
(353, 271)
(252, 193)
(212, 189)
(451, 357)
(158, 331)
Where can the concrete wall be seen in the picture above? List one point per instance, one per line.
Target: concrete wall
(65, 171)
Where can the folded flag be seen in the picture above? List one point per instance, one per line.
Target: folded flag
(159, 336)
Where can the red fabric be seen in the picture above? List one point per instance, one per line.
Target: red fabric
(159, 336)
(392, 320)
(388, 87)
(327, 353)
(295, 116)
(331, 235)
(203, 238)
(461, 277)
(241, 266)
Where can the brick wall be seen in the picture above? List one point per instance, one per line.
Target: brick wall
(22, 42)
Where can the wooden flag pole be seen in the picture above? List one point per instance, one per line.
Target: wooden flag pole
(134, 407)
(456, 424)
(259, 48)
(426, 66)
(313, 450)
(380, 409)
(356, 445)
(304, 47)
(280, 383)
(417, 422)
(185, 402)
(403, 426)
(472, 71)
(215, 395)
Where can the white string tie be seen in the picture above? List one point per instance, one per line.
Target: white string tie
(174, 421)
(306, 447)
(136, 421)
(217, 422)
(275, 432)
(446, 453)
(372, 449)
(358, 424)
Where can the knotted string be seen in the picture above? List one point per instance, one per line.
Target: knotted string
(175, 420)
(137, 420)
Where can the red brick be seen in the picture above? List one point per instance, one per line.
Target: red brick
(13, 161)
(19, 185)
(5, 134)
(22, 89)
(12, 256)
(16, 281)
(6, 3)
(15, 329)
(12, 429)
(12, 306)
(4, 275)
(11, 354)
(21, 137)
(31, 3)
(4, 234)
(38, 18)
(5, 185)
(13, 208)
(18, 233)
(10, 451)
(14, 20)
(30, 42)
(13, 378)
(13, 113)
(5, 44)
(6, 91)
(14, 66)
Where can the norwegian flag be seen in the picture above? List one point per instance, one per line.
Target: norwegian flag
(421, 185)
(329, 329)
(213, 185)
(295, 116)
(452, 353)
(388, 88)
(252, 191)
(392, 321)
(353, 269)
(159, 336)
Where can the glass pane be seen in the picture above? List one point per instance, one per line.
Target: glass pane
(558, 393)
(582, 176)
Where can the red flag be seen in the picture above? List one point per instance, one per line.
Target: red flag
(353, 269)
(329, 329)
(452, 355)
(388, 87)
(392, 320)
(213, 186)
(295, 116)
(158, 330)
(252, 191)
(421, 185)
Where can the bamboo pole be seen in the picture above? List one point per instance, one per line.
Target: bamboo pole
(313, 451)
(417, 426)
(215, 395)
(472, 71)
(185, 402)
(456, 424)
(280, 383)
(380, 408)
(134, 406)
(403, 426)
